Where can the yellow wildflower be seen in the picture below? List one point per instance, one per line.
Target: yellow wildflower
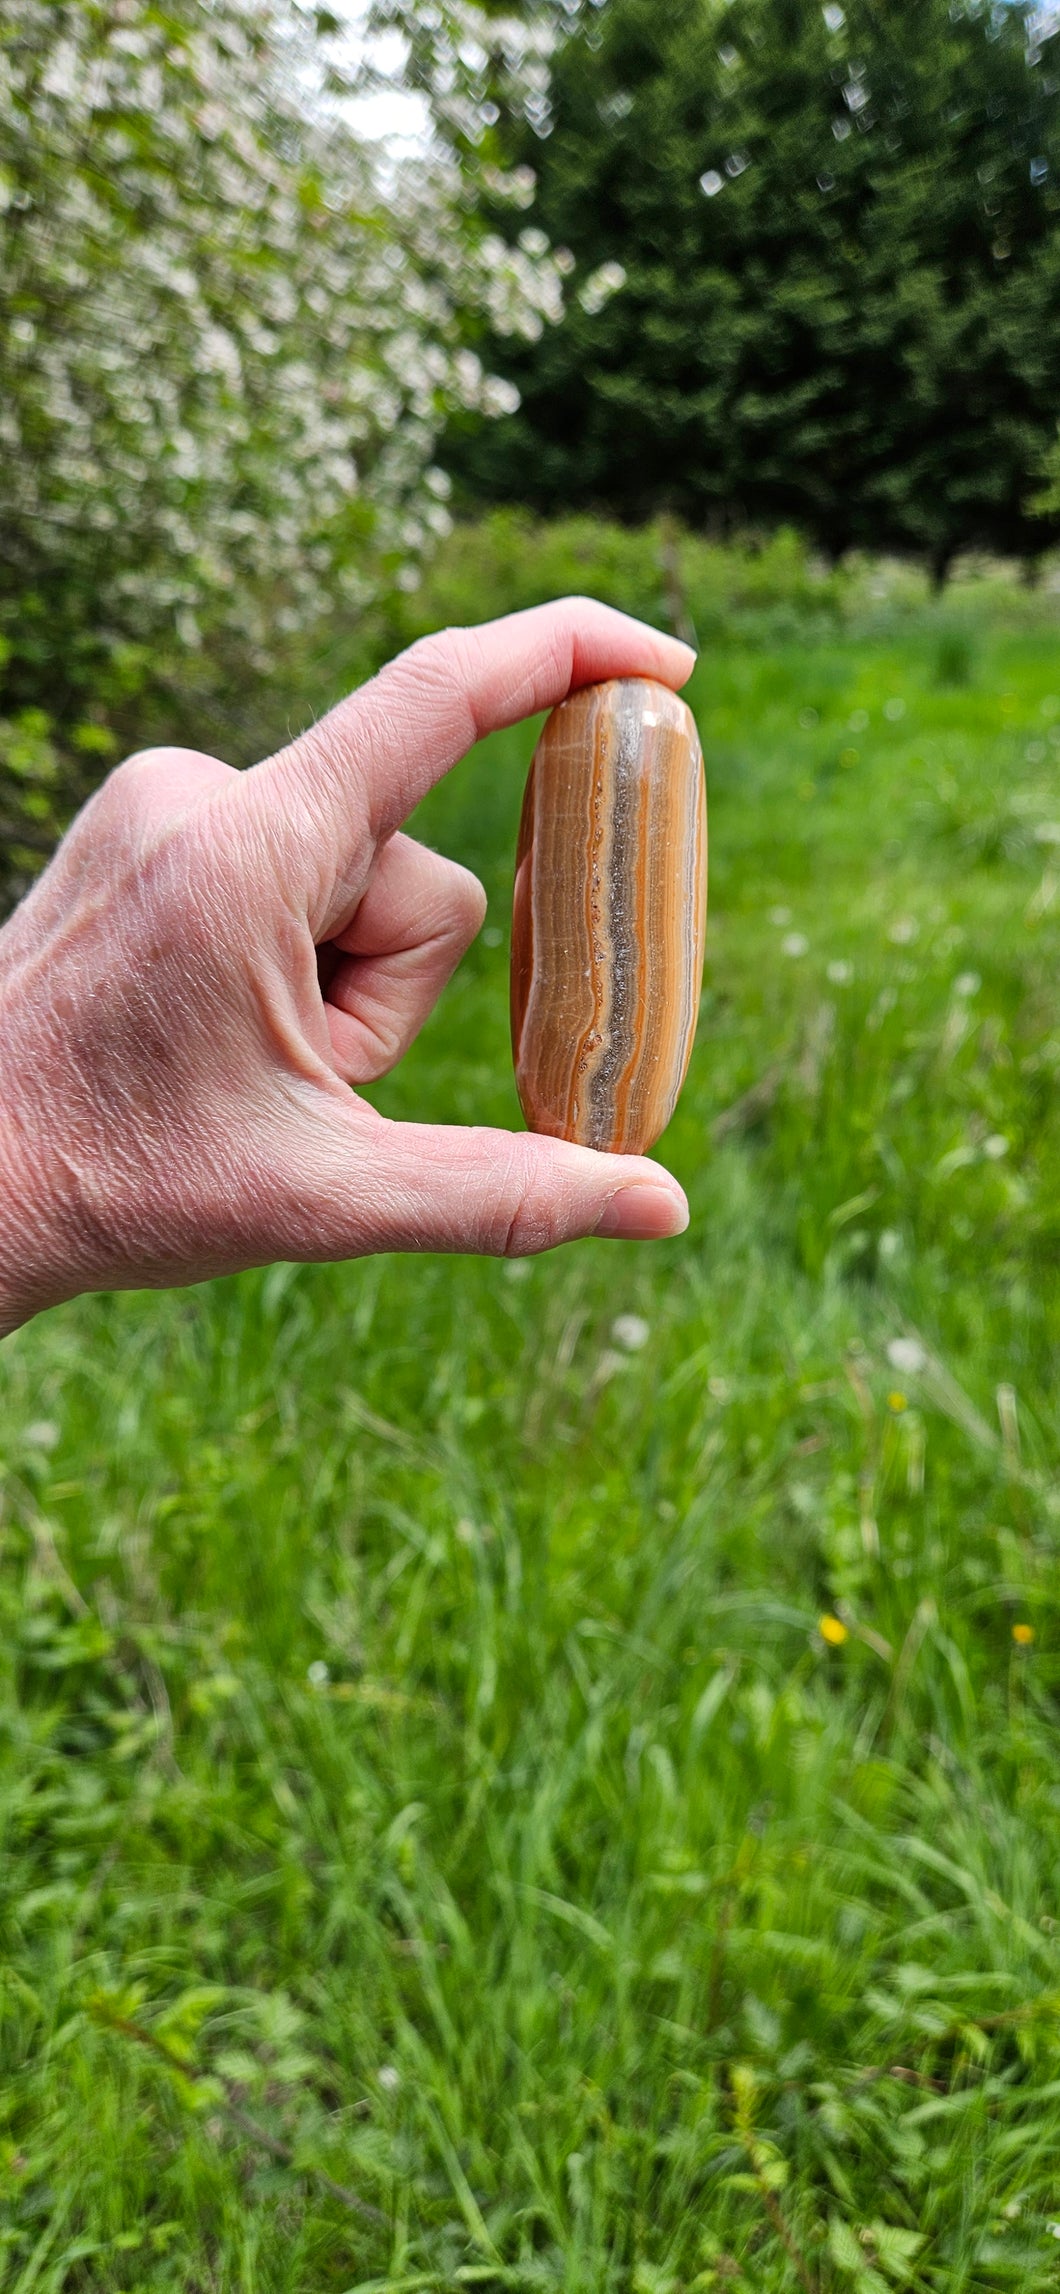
(833, 1630)
(897, 1403)
(1023, 1635)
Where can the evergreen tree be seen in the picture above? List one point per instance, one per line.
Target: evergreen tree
(838, 235)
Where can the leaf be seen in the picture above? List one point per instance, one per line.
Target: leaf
(710, 1702)
(844, 2248)
(896, 2248)
(572, 1916)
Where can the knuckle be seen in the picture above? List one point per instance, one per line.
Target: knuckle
(433, 685)
(439, 654)
(442, 664)
(141, 761)
(467, 899)
(384, 1040)
(158, 772)
(123, 793)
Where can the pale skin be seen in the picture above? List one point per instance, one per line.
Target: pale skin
(213, 958)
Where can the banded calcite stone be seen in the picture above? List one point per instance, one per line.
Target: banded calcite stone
(609, 916)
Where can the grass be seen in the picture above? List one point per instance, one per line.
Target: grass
(440, 1846)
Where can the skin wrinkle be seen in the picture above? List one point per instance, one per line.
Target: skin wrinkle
(350, 1040)
(102, 1216)
(439, 675)
(299, 843)
(337, 889)
(299, 1044)
(172, 1103)
(397, 729)
(376, 1042)
(333, 766)
(286, 848)
(423, 911)
(527, 1231)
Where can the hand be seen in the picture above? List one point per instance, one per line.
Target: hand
(213, 958)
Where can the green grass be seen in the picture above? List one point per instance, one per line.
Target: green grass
(423, 1774)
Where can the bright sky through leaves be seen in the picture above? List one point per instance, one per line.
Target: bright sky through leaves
(395, 116)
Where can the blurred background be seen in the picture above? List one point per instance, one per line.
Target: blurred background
(545, 1775)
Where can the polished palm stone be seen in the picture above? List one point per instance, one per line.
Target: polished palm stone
(609, 916)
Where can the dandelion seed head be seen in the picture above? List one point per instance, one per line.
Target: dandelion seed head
(794, 944)
(631, 1332)
(907, 1354)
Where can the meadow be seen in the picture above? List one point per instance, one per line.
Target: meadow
(547, 1775)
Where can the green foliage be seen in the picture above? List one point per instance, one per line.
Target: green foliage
(1047, 501)
(666, 575)
(41, 785)
(425, 1785)
(500, 563)
(814, 257)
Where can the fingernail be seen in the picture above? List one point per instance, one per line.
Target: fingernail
(643, 1214)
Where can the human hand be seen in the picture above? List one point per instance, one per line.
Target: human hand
(213, 957)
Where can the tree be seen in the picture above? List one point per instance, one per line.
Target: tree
(228, 338)
(837, 232)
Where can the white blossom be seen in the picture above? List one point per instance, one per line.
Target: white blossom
(221, 330)
(600, 286)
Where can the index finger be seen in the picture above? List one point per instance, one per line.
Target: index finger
(368, 763)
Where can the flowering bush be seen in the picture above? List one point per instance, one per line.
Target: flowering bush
(228, 334)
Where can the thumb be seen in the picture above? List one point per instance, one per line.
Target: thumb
(506, 1194)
